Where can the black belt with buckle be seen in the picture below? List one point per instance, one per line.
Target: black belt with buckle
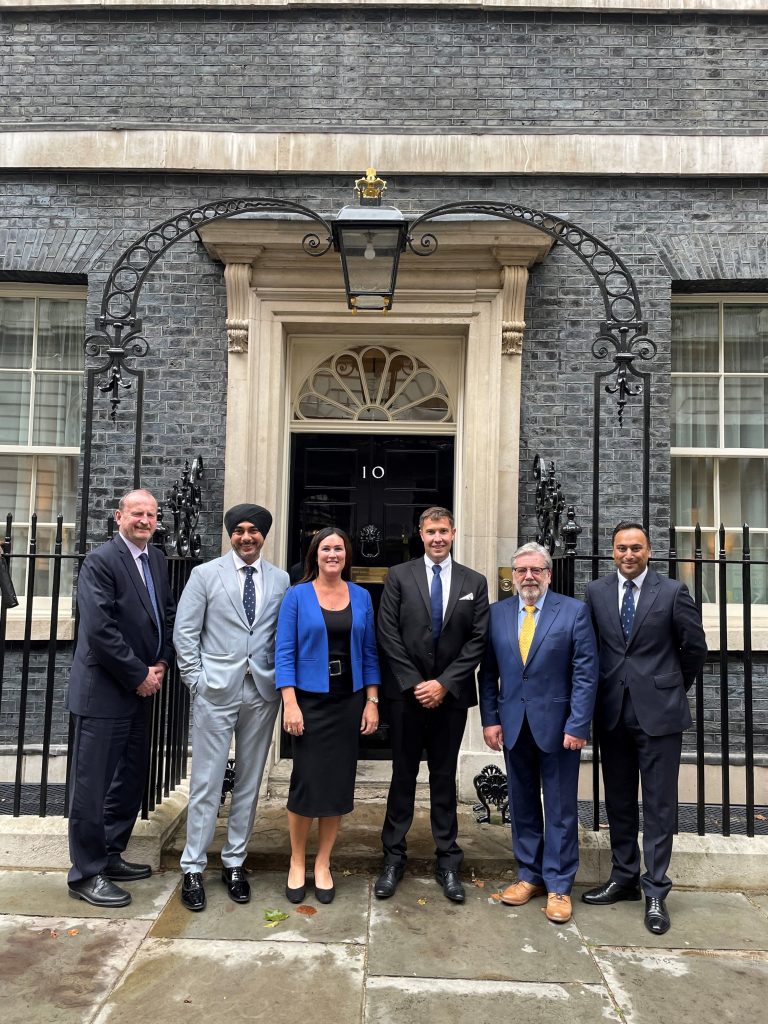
(335, 667)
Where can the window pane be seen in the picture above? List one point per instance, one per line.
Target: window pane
(694, 413)
(744, 412)
(60, 334)
(17, 317)
(743, 498)
(758, 576)
(695, 338)
(15, 485)
(57, 410)
(44, 567)
(19, 561)
(686, 571)
(693, 492)
(14, 408)
(746, 339)
(56, 488)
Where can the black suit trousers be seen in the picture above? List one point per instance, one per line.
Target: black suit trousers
(109, 768)
(629, 755)
(439, 732)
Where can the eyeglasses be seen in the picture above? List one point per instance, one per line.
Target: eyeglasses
(534, 570)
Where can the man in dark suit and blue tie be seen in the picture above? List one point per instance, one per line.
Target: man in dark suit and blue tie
(651, 647)
(433, 625)
(537, 694)
(123, 650)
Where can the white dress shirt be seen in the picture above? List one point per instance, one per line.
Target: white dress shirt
(638, 582)
(258, 579)
(136, 554)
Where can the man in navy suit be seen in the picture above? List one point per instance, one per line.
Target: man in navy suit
(652, 646)
(123, 650)
(537, 694)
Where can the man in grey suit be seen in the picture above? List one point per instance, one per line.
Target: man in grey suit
(651, 646)
(225, 645)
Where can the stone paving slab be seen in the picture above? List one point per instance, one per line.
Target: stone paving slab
(45, 893)
(401, 1000)
(61, 968)
(184, 981)
(657, 987)
(700, 920)
(760, 900)
(344, 920)
(480, 939)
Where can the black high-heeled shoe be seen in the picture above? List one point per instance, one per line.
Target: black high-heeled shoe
(295, 895)
(325, 895)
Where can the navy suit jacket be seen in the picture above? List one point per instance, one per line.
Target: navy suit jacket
(556, 687)
(666, 651)
(301, 648)
(117, 636)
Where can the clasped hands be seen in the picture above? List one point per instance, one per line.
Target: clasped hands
(429, 693)
(154, 680)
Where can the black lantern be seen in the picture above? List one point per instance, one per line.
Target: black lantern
(369, 239)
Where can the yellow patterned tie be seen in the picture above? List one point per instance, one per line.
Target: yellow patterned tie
(526, 631)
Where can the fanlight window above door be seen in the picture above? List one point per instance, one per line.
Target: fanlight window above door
(373, 382)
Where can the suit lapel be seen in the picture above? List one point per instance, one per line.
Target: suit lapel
(228, 577)
(549, 612)
(648, 594)
(267, 585)
(133, 575)
(419, 570)
(458, 576)
(512, 610)
(612, 597)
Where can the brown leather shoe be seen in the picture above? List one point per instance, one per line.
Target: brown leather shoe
(558, 908)
(518, 894)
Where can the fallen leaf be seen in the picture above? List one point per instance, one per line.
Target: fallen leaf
(274, 917)
(496, 897)
(421, 901)
(187, 1000)
(73, 931)
(54, 933)
(478, 882)
(346, 873)
(308, 911)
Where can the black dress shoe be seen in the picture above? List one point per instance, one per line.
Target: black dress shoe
(325, 895)
(295, 895)
(656, 915)
(452, 887)
(237, 885)
(386, 883)
(120, 870)
(192, 891)
(99, 891)
(609, 893)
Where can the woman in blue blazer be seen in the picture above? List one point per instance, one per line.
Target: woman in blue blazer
(327, 670)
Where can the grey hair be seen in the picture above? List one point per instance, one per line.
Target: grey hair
(532, 548)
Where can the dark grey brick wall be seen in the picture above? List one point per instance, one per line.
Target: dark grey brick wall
(421, 69)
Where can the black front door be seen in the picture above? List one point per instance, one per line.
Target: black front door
(374, 487)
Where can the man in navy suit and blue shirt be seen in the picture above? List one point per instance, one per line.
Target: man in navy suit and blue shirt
(652, 646)
(537, 694)
(225, 645)
(123, 650)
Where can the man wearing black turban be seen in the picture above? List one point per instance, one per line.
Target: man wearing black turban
(225, 642)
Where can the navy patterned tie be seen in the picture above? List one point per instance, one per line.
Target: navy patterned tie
(144, 559)
(436, 598)
(249, 595)
(628, 609)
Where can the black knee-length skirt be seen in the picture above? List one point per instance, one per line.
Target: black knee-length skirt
(325, 757)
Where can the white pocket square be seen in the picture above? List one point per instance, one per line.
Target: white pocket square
(467, 597)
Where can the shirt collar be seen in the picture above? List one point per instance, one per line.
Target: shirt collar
(445, 564)
(537, 604)
(135, 551)
(240, 564)
(638, 580)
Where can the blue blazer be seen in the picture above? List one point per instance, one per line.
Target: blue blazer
(301, 649)
(556, 687)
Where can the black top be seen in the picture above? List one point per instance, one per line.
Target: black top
(338, 626)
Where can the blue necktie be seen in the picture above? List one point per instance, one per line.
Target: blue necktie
(249, 595)
(436, 598)
(144, 559)
(628, 609)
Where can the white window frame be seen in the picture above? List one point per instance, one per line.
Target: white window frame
(711, 611)
(41, 612)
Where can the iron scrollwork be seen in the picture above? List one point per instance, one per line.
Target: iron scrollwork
(491, 788)
(183, 503)
(118, 327)
(556, 536)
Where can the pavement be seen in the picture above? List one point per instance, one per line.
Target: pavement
(413, 958)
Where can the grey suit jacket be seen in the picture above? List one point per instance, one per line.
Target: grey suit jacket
(215, 646)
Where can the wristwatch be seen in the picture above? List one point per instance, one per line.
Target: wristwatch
(373, 700)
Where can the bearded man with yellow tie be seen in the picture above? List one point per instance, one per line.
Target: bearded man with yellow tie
(537, 693)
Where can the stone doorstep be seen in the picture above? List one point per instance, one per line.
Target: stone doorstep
(698, 862)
